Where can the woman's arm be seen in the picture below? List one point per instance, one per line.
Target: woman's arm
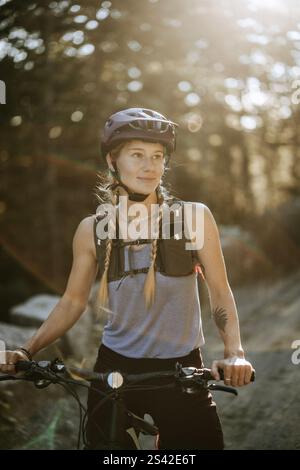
(222, 304)
(74, 300)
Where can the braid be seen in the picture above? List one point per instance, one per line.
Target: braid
(103, 291)
(149, 286)
(103, 288)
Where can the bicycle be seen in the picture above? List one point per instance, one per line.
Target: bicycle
(44, 373)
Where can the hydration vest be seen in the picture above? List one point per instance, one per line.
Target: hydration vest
(172, 258)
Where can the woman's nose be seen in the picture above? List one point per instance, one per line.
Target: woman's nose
(148, 163)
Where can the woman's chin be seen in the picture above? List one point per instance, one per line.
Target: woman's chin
(144, 189)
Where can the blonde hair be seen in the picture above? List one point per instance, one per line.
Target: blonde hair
(108, 191)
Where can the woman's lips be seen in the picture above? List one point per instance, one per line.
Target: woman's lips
(147, 179)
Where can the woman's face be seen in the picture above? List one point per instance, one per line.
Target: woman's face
(140, 165)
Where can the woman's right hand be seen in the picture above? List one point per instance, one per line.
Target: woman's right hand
(11, 357)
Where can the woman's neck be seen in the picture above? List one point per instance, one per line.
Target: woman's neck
(150, 199)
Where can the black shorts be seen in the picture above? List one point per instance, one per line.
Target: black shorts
(185, 421)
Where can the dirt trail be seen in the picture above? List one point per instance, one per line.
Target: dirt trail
(266, 413)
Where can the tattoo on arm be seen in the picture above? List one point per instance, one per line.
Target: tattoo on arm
(220, 316)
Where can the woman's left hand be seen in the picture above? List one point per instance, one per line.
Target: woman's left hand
(237, 371)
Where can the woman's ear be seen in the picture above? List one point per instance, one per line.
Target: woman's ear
(109, 162)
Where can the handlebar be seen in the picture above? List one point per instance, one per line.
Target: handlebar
(186, 376)
(43, 373)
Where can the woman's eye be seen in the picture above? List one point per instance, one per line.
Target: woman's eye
(155, 157)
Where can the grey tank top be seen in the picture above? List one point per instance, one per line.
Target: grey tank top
(171, 327)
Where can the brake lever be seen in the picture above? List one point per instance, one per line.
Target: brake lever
(223, 388)
(41, 373)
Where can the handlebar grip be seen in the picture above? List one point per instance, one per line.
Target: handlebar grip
(221, 372)
(23, 366)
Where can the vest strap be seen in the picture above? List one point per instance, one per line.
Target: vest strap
(131, 273)
(139, 241)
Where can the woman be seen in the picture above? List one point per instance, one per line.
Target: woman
(148, 289)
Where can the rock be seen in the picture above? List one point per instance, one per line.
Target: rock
(14, 336)
(34, 311)
(81, 341)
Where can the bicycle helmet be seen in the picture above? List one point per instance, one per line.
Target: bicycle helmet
(137, 123)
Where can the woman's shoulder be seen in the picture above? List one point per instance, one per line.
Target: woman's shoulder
(85, 232)
(87, 223)
(197, 214)
(177, 200)
(200, 208)
(196, 205)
